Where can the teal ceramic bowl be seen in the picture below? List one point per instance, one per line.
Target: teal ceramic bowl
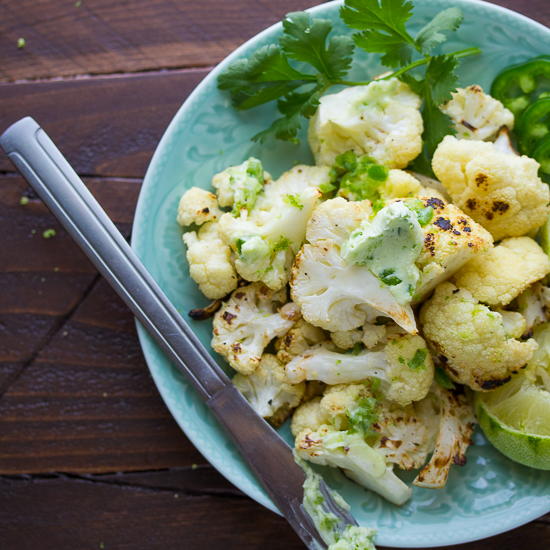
(490, 494)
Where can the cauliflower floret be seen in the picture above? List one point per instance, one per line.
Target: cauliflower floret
(239, 186)
(500, 191)
(534, 305)
(266, 239)
(308, 416)
(514, 323)
(332, 293)
(471, 340)
(477, 115)
(267, 390)
(197, 206)
(497, 276)
(247, 322)
(381, 119)
(404, 368)
(297, 340)
(335, 295)
(450, 240)
(400, 184)
(209, 261)
(346, 339)
(456, 425)
(335, 219)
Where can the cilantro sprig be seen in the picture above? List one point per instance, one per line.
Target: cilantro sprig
(307, 61)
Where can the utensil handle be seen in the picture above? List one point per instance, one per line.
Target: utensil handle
(58, 185)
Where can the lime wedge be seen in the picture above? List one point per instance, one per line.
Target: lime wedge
(516, 420)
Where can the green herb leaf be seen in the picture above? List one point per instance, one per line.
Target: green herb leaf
(305, 39)
(442, 378)
(294, 200)
(417, 362)
(282, 244)
(432, 34)
(363, 416)
(383, 25)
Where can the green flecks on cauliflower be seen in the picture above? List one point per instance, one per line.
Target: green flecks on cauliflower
(268, 391)
(209, 261)
(456, 425)
(404, 368)
(248, 321)
(239, 186)
(499, 275)
(297, 340)
(381, 119)
(476, 115)
(470, 339)
(333, 294)
(197, 206)
(266, 239)
(500, 191)
(450, 240)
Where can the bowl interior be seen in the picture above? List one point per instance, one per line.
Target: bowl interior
(490, 494)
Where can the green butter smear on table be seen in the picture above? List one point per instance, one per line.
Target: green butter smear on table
(389, 246)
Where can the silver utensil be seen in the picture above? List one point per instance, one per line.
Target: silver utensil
(270, 458)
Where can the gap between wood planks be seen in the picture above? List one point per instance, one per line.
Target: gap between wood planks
(116, 74)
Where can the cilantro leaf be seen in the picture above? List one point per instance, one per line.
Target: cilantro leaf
(263, 77)
(432, 34)
(383, 25)
(441, 78)
(305, 39)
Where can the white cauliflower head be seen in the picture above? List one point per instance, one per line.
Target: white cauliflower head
(247, 322)
(333, 293)
(268, 391)
(197, 206)
(470, 340)
(266, 238)
(239, 186)
(381, 119)
(404, 367)
(456, 425)
(209, 261)
(502, 273)
(450, 240)
(534, 305)
(297, 340)
(476, 115)
(502, 192)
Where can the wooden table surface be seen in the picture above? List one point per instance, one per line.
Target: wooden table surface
(90, 457)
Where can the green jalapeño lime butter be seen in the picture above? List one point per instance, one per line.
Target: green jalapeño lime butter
(389, 246)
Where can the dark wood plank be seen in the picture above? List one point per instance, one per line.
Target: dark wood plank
(87, 403)
(102, 36)
(106, 126)
(126, 512)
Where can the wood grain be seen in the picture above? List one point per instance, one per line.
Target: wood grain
(102, 36)
(107, 126)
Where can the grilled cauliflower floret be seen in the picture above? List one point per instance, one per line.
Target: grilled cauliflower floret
(514, 323)
(534, 305)
(456, 425)
(404, 368)
(297, 340)
(197, 206)
(401, 184)
(325, 444)
(500, 191)
(477, 115)
(333, 293)
(247, 322)
(239, 186)
(471, 340)
(381, 119)
(266, 238)
(497, 276)
(346, 339)
(450, 240)
(268, 391)
(209, 261)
